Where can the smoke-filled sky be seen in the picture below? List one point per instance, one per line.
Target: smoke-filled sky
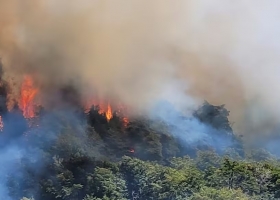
(140, 51)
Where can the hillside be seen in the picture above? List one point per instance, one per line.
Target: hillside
(86, 157)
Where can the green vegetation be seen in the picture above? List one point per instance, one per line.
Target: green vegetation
(100, 160)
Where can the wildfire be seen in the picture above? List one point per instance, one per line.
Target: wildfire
(107, 109)
(103, 109)
(108, 113)
(26, 103)
(27, 95)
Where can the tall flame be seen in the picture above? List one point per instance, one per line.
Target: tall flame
(29, 92)
(108, 113)
(27, 95)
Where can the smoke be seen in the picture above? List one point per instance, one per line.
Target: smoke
(191, 131)
(13, 154)
(114, 48)
(139, 52)
(23, 149)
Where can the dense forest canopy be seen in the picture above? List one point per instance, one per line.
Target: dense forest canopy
(82, 156)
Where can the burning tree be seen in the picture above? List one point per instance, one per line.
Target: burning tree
(28, 93)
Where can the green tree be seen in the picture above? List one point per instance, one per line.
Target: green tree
(104, 184)
(207, 159)
(220, 194)
(61, 185)
(239, 175)
(216, 116)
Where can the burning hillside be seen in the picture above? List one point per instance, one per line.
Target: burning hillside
(100, 79)
(29, 94)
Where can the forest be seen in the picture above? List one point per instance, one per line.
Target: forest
(103, 100)
(88, 158)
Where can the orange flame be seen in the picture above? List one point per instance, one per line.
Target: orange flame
(107, 110)
(108, 113)
(28, 93)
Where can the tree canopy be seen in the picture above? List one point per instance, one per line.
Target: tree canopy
(93, 159)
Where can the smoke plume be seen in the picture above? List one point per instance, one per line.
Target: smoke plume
(139, 52)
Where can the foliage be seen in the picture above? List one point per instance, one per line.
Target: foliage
(216, 116)
(99, 160)
(221, 194)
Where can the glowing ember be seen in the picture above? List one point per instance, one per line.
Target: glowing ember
(28, 93)
(1, 124)
(131, 150)
(88, 105)
(102, 107)
(125, 121)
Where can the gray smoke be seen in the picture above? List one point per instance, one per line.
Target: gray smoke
(139, 52)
